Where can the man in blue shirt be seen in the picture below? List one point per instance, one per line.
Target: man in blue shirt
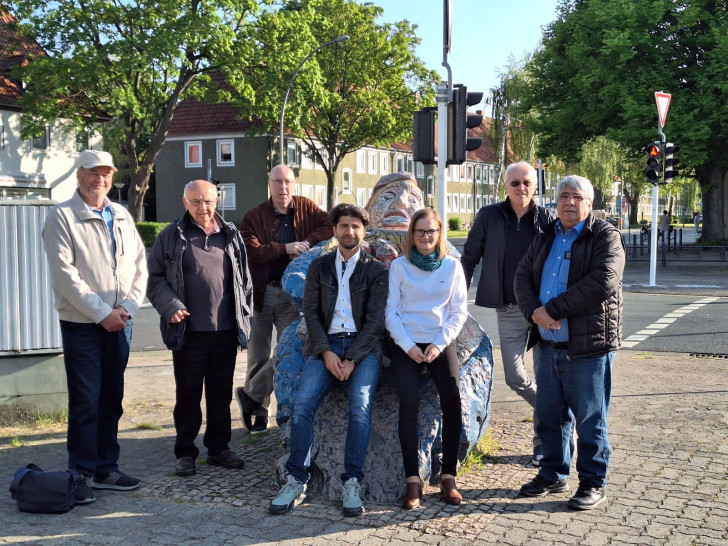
(569, 286)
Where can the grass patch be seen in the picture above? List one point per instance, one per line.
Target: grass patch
(148, 426)
(456, 233)
(486, 447)
(17, 442)
(12, 416)
(252, 439)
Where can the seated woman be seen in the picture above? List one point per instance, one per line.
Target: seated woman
(426, 308)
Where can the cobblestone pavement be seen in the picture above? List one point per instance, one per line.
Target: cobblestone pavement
(668, 476)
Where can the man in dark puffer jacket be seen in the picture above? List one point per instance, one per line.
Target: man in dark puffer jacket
(569, 286)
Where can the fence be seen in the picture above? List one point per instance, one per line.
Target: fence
(671, 248)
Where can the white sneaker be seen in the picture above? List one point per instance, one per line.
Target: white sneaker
(351, 497)
(291, 494)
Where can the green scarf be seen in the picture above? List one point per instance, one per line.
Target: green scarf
(431, 262)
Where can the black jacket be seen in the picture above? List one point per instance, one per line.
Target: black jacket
(166, 290)
(368, 287)
(486, 241)
(592, 302)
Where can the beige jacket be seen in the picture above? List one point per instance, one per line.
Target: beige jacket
(88, 282)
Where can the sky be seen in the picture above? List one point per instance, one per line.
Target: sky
(485, 33)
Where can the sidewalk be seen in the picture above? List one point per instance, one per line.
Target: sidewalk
(668, 476)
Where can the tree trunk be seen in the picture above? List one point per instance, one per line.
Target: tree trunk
(713, 181)
(138, 185)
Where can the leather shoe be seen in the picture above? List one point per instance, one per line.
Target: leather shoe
(412, 496)
(226, 459)
(449, 491)
(587, 497)
(247, 406)
(185, 466)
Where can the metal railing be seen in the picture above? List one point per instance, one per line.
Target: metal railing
(671, 248)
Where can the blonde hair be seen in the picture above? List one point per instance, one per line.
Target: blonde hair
(426, 213)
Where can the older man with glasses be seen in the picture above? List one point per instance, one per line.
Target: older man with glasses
(569, 286)
(275, 232)
(500, 237)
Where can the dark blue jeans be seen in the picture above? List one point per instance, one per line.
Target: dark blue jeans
(209, 358)
(95, 361)
(315, 383)
(578, 387)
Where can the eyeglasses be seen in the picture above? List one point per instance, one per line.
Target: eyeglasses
(566, 197)
(197, 203)
(428, 232)
(281, 181)
(516, 183)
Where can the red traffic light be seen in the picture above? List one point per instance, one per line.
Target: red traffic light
(653, 151)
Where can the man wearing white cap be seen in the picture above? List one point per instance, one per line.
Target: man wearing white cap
(98, 268)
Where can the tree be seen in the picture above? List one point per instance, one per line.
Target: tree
(598, 69)
(351, 94)
(133, 61)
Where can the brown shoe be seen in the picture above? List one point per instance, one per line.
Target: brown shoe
(411, 499)
(449, 491)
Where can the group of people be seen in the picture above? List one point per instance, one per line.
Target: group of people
(555, 283)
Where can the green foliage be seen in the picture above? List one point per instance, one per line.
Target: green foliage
(16, 416)
(349, 94)
(149, 231)
(454, 223)
(486, 447)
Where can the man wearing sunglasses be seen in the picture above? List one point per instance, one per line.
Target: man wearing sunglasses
(500, 237)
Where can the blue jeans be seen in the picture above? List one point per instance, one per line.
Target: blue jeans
(315, 383)
(95, 361)
(578, 388)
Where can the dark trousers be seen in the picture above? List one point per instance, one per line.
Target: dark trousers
(209, 358)
(445, 372)
(95, 361)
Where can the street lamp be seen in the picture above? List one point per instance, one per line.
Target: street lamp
(290, 83)
(118, 185)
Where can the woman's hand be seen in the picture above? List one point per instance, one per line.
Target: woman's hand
(431, 352)
(416, 354)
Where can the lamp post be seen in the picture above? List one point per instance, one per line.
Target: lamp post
(118, 185)
(290, 83)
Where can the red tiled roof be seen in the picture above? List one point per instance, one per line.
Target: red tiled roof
(15, 50)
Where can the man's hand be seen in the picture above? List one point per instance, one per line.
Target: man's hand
(333, 364)
(542, 318)
(296, 248)
(116, 320)
(179, 316)
(431, 353)
(347, 367)
(416, 354)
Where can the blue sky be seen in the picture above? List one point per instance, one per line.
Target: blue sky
(484, 34)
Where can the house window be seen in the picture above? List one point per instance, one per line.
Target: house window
(306, 157)
(307, 191)
(193, 154)
(372, 162)
(455, 202)
(470, 172)
(401, 164)
(225, 153)
(43, 141)
(448, 203)
(226, 192)
(420, 170)
(383, 163)
(82, 141)
(478, 173)
(470, 203)
(410, 165)
(361, 161)
(320, 198)
(291, 155)
(361, 197)
(346, 181)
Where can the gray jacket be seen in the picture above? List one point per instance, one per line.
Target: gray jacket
(165, 288)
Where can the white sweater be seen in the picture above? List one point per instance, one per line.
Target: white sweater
(426, 306)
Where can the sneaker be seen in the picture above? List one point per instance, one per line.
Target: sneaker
(540, 487)
(226, 459)
(117, 481)
(587, 497)
(537, 455)
(185, 466)
(84, 494)
(288, 497)
(247, 405)
(261, 424)
(351, 498)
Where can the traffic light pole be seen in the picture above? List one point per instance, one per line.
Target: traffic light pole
(442, 100)
(655, 207)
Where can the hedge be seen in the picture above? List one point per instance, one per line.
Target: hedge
(149, 231)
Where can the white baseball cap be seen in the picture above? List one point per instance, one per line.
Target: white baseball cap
(95, 158)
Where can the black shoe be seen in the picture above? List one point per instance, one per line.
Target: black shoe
(247, 406)
(185, 466)
(116, 481)
(261, 424)
(540, 487)
(226, 459)
(587, 497)
(83, 494)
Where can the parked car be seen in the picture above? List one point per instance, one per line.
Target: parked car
(614, 220)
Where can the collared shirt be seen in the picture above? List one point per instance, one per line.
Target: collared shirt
(343, 319)
(107, 216)
(555, 276)
(285, 233)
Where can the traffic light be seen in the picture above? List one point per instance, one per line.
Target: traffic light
(423, 148)
(654, 150)
(670, 162)
(459, 121)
